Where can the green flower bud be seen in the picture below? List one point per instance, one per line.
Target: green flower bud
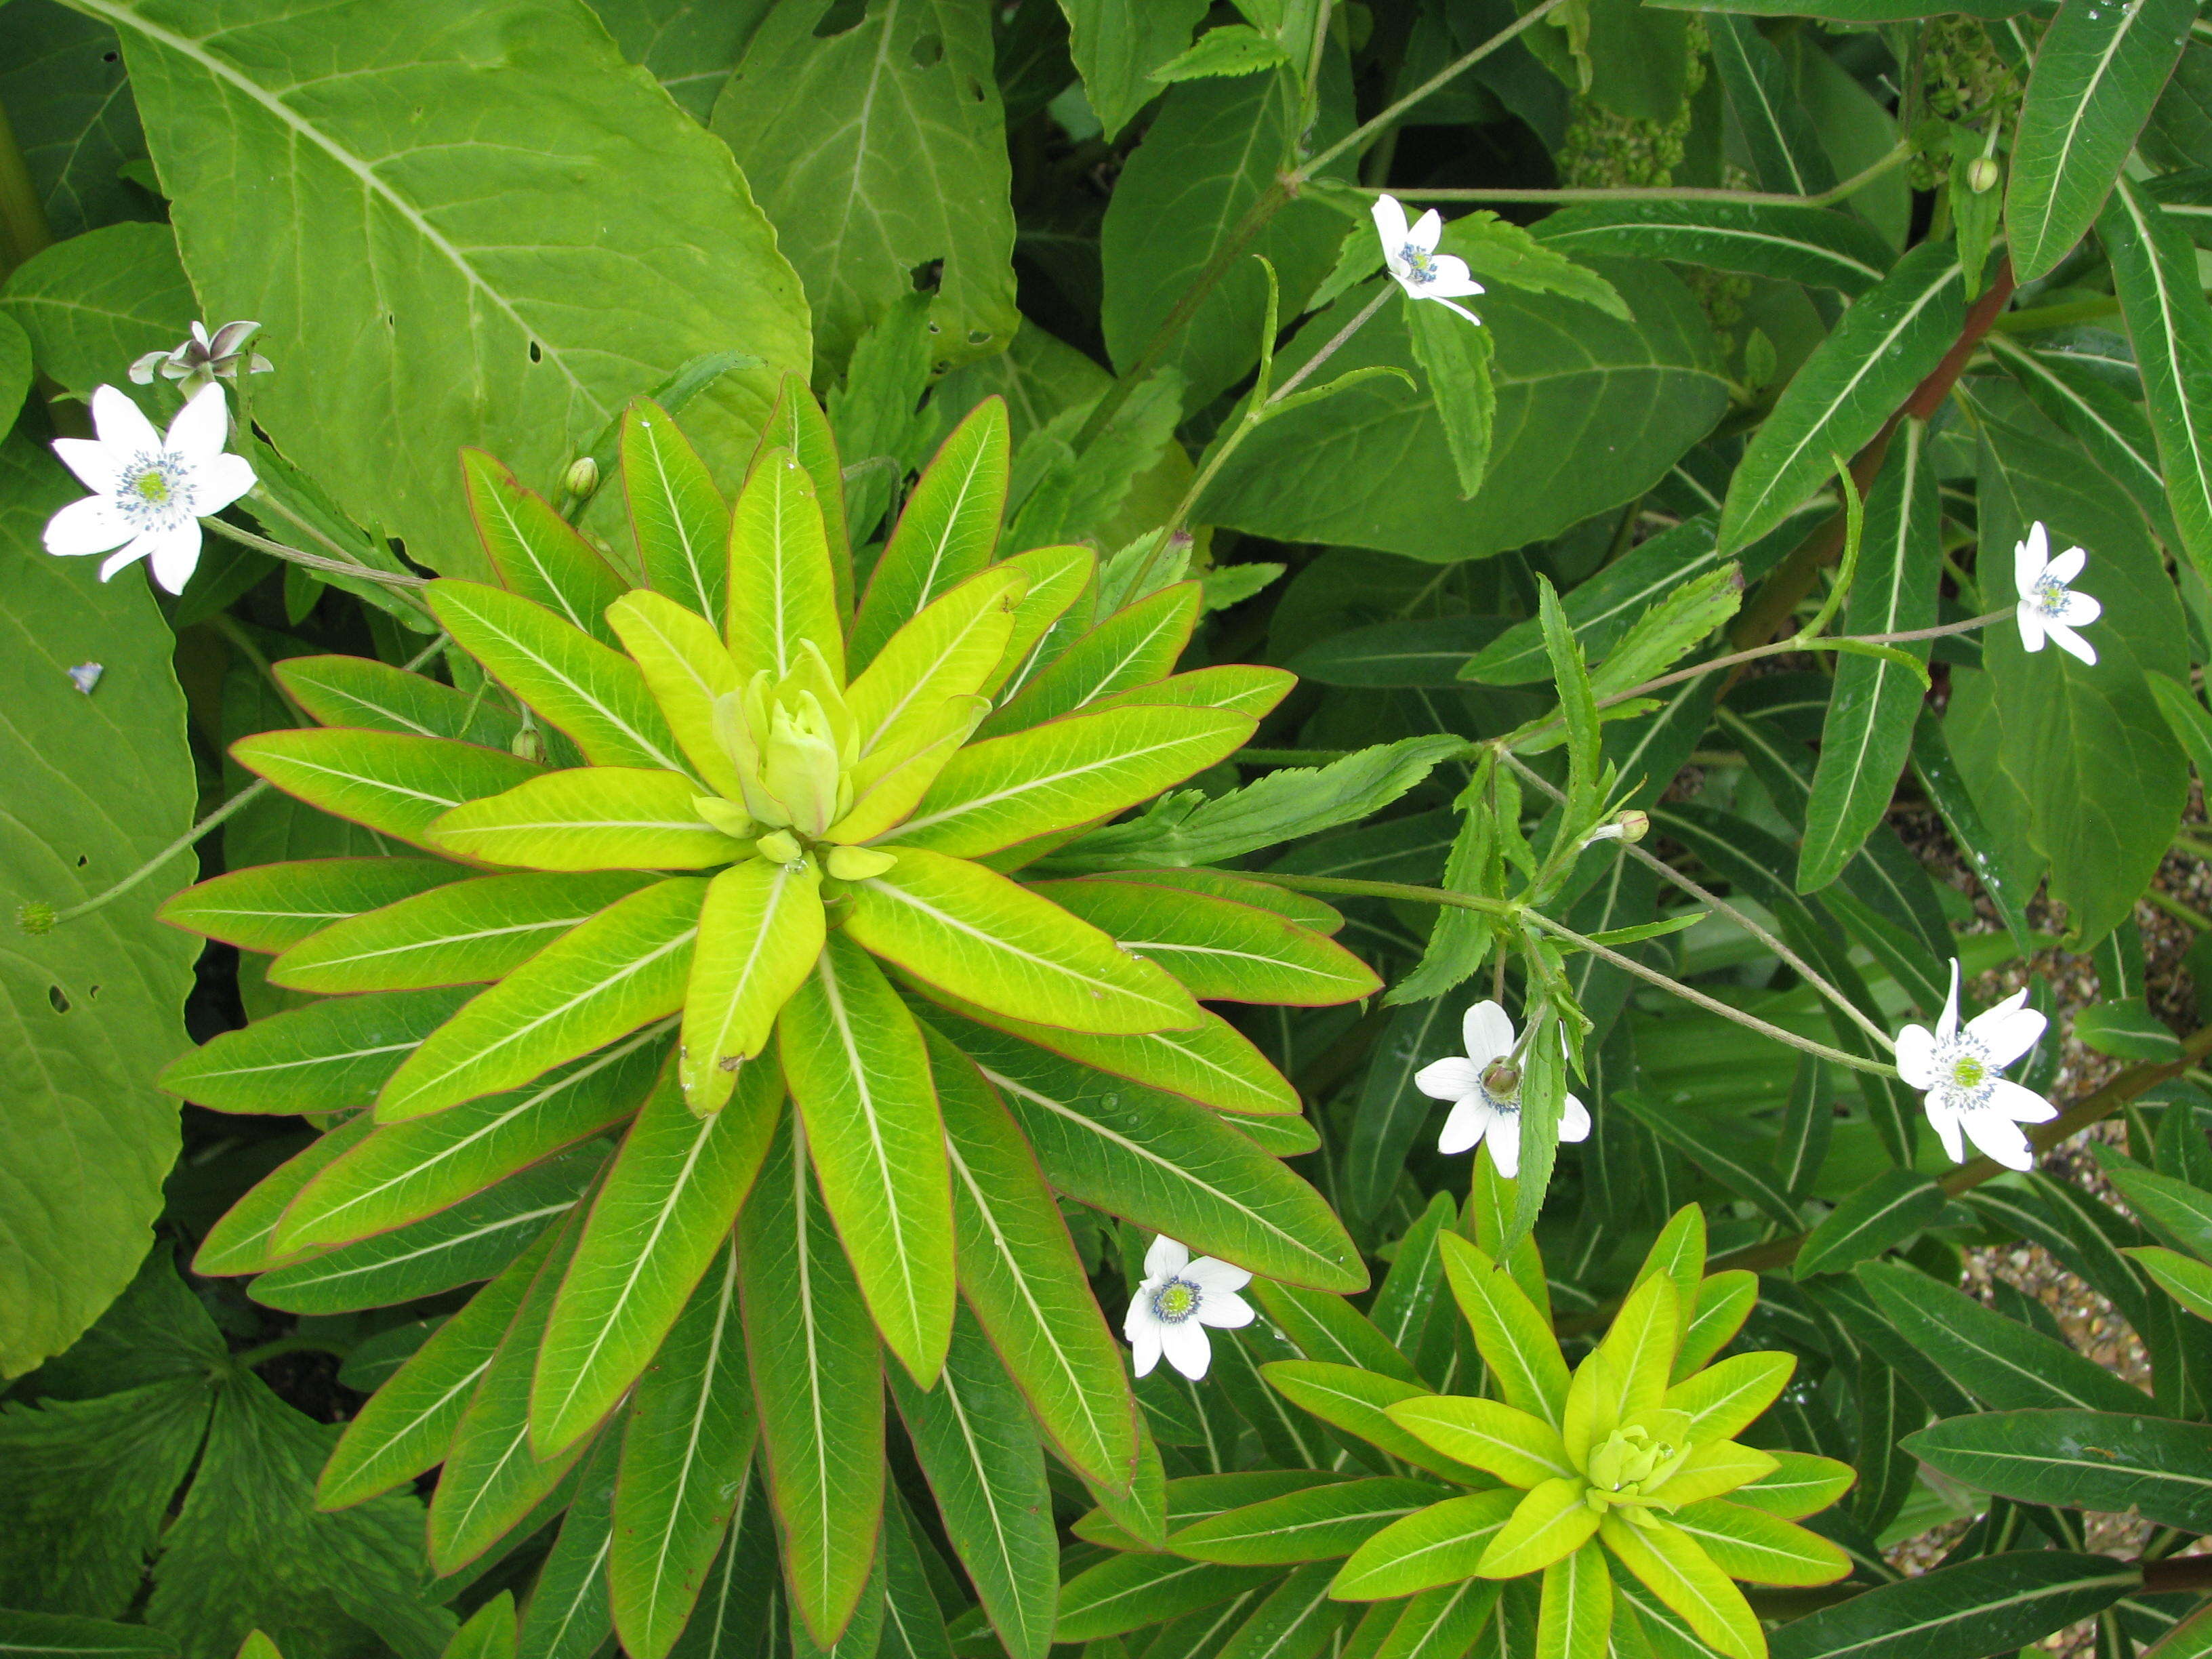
(1982, 175)
(779, 847)
(858, 863)
(582, 478)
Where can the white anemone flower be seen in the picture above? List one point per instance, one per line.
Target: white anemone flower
(2047, 605)
(1485, 1087)
(1179, 1298)
(1957, 1067)
(148, 492)
(1411, 253)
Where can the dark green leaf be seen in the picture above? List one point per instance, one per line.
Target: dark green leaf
(1994, 1605)
(1894, 1204)
(2101, 1460)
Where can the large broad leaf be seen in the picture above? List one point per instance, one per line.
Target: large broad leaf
(1182, 203)
(2154, 269)
(2148, 1466)
(668, 1202)
(95, 301)
(1893, 336)
(97, 785)
(1993, 1604)
(1116, 46)
(686, 1456)
(73, 117)
(859, 1079)
(2099, 69)
(877, 150)
(1370, 468)
(1165, 1163)
(818, 1387)
(1021, 1276)
(452, 205)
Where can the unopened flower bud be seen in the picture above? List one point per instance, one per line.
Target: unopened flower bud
(581, 479)
(1982, 175)
(778, 847)
(1501, 1080)
(858, 863)
(527, 744)
(728, 817)
(1629, 827)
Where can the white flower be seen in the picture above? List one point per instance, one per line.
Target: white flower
(1411, 255)
(1957, 1069)
(1178, 1299)
(1485, 1086)
(2047, 604)
(148, 493)
(200, 359)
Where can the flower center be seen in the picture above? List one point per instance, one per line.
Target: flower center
(1175, 1301)
(152, 486)
(1501, 1087)
(1420, 265)
(154, 491)
(2050, 595)
(1630, 1465)
(1966, 1077)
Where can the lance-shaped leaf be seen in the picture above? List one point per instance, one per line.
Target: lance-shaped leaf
(2099, 69)
(405, 1172)
(1726, 1398)
(1998, 1603)
(1318, 1524)
(329, 1056)
(1447, 1619)
(992, 941)
(2154, 273)
(759, 933)
(243, 1241)
(668, 1202)
(973, 1437)
(272, 907)
(947, 533)
(1801, 1484)
(376, 696)
(818, 1387)
(408, 1423)
(2077, 1459)
(798, 424)
(1892, 337)
(686, 668)
(685, 1451)
(568, 1616)
(1239, 688)
(492, 1477)
(2004, 1363)
(2108, 423)
(1130, 649)
(535, 551)
(1518, 1449)
(678, 517)
(1065, 772)
(1021, 1276)
(1757, 1547)
(1165, 1163)
(1787, 154)
(62, 1635)
(1516, 1340)
(1868, 1220)
(860, 1076)
(590, 691)
(1551, 1521)
(622, 969)
(782, 589)
(1684, 1577)
(1129, 1592)
(471, 1242)
(1436, 1546)
(949, 650)
(1219, 949)
(461, 934)
(1818, 247)
(1300, 907)
(1576, 1616)
(394, 784)
(1056, 578)
(591, 817)
(1868, 733)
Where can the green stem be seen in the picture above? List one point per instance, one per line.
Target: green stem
(2039, 318)
(2186, 844)
(2180, 912)
(1349, 888)
(312, 561)
(229, 809)
(1857, 181)
(249, 1357)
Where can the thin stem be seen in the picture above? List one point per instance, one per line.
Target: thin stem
(2188, 845)
(1711, 1005)
(1327, 351)
(1312, 62)
(1365, 134)
(312, 561)
(1668, 192)
(229, 809)
(262, 499)
(2180, 912)
(1779, 647)
(1750, 925)
(249, 1357)
(1388, 889)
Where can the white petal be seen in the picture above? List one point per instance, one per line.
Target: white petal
(176, 556)
(122, 423)
(1217, 1278)
(129, 554)
(1140, 1316)
(2021, 1105)
(2007, 1031)
(1946, 1022)
(1144, 1348)
(202, 426)
(2000, 1137)
(1946, 1122)
(2077, 609)
(1389, 226)
(98, 467)
(141, 368)
(1449, 306)
(199, 332)
(1452, 280)
(2072, 643)
(1487, 1032)
(1502, 1137)
(229, 337)
(1187, 1348)
(1574, 1119)
(2068, 565)
(1916, 1057)
(222, 482)
(1427, 230)
(1464, 1127)
(2030, 625)
(2028, 558)
(1166, 1258)
(1225, 1313)
(1454, 1078)
(91, 526)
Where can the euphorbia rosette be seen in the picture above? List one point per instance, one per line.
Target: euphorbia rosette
(791, 829)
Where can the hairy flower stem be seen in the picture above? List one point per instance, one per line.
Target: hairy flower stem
(1513, 910)
(1704, 896)
(1859, 181)
(312, 561)
(1780, 647)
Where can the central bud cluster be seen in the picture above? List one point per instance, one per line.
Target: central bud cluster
(1629, 1468)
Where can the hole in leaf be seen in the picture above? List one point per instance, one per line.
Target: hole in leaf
(55, 995)
(926, 276)
(927, 51)
(974, 89)
(979, 336)
(82, 860)
(110, 57)
(843, 14)
(536, 356)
